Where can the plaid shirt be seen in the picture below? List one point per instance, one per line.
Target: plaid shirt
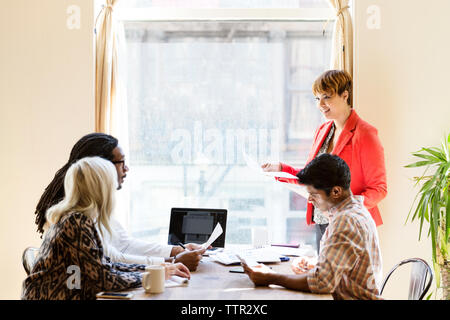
(349, 264)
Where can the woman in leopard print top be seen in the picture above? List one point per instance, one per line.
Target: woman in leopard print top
(70, 263)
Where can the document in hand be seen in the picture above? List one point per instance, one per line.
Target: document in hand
(252, 164)
(297, 188)
(254, 265)
(214, 235)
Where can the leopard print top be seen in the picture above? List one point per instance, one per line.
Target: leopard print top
(70, 264)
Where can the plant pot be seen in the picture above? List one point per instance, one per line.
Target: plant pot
(445, 280)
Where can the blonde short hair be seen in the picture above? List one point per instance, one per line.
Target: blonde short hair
(90, 185)
(334, 81)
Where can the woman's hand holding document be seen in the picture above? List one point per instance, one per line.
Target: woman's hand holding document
(252, 164)
(273, 170)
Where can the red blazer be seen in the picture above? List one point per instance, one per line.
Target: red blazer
(361, 149)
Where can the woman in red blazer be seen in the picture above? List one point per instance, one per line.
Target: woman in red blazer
(349, 137)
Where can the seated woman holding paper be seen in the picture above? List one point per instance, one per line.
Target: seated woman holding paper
(349, 137)
(71, 263)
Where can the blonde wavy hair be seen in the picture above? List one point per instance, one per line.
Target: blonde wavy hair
(90, 185)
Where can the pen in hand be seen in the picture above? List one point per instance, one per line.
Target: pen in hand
(181, 245)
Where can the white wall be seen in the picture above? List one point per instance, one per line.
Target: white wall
(402, 77)
(46, 104)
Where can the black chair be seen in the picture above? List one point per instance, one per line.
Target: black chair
(420, 281)
(29, 258)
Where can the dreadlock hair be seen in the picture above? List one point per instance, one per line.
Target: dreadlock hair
(91, 145)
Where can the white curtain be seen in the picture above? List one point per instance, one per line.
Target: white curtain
(342, 50)
(111, 112)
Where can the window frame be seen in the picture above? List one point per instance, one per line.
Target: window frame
(224, 14)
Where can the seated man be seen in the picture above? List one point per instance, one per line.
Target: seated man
(118, 245)
(349, 264)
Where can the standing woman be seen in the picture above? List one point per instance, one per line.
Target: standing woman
(72, 247)
(349, 137)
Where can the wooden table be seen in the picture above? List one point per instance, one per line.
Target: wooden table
(213, 281)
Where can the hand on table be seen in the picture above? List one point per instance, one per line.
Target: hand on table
(303, 264)
(177, 269)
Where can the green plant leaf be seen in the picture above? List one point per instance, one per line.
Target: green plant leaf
(433, 195)
(427, 186)
(423, 213)
(419, 164)
(447, 216)
(411, 209)
(434, 220)
(438, 153)
(446, 147)
(428, 157)
(422, 218)
(433, 240)
(437, 273)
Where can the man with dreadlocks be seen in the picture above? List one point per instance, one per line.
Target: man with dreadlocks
(119, 247)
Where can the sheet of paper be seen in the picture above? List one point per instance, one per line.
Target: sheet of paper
(306, 250)
(214, 235)
(249, 261)
(297, 188)
(254, 165)
(176, 281)
(253, 264)
(279, 174)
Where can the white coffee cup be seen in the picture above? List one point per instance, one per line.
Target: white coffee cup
(154, 278)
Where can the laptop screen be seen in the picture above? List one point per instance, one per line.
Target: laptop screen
(194, 225)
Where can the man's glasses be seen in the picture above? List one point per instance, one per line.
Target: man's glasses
(122, 162)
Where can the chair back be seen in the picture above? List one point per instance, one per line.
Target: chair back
(29, 258)
(420, 279)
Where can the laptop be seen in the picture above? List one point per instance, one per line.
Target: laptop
(195, 225)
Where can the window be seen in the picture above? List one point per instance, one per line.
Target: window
(199, 93)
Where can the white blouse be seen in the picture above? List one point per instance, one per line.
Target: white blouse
(120, 247)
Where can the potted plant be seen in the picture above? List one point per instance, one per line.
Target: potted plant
(433, 205)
